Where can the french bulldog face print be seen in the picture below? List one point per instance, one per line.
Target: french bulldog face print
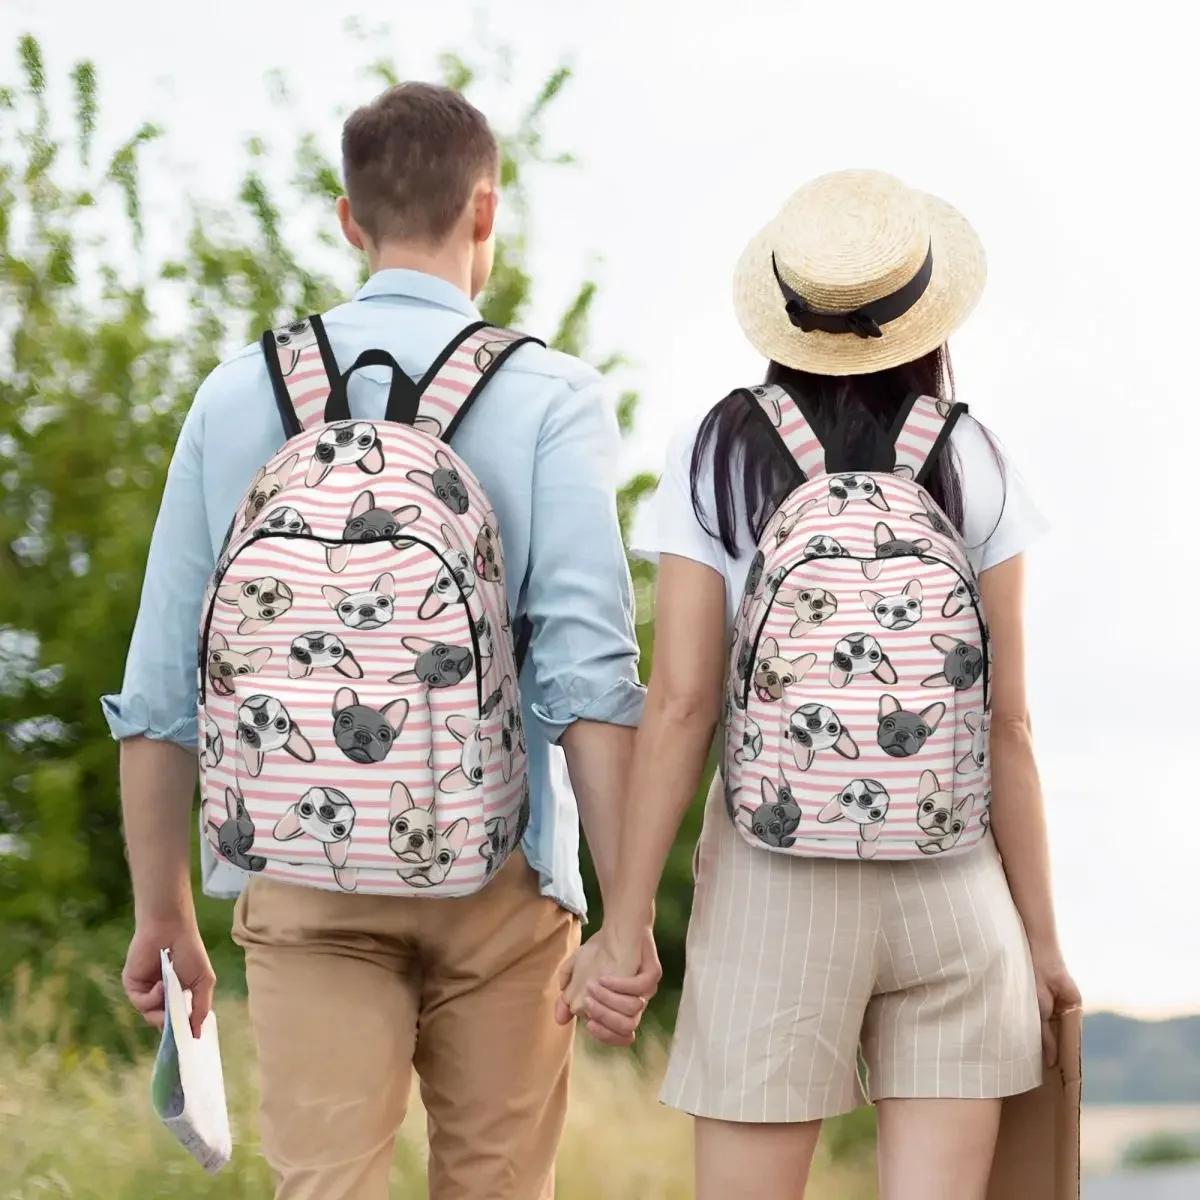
(775, 820)
(774, 675)
(226, 665)
(365, 734)
(978, 724)
(319, 651)
(752, 743)
(731, 805)
(888, 545)
(773, 582)
(846, 489)
(753, 578)
(454, 581)
(859, 654)
(265, 486)
(265, 726)
(865, 803)
(285, 521)
(963, 663)
(497, 845)
(930, 516)
(814, 728)
(485, 642)
(898, 612)
(426, 853)
(371, 609)
(780, 526)
(291, 342)
(327, 816)
(488, 353)
(476, 751)
(940, 819)
(367, 522)
(512, 731)
(445, 483)
(487, 550)
(438, 665)
(260, 601)
(214, 744)
(813, 607)
(235, 835)
(901, 734)
(345, 444)
(985, 817)
(959, 597)
(771, 397)
(821, 545)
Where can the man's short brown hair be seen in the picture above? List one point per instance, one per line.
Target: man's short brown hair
(411, 159)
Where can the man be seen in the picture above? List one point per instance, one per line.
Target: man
(349, 992)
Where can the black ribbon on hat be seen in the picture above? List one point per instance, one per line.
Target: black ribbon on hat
(866, 321)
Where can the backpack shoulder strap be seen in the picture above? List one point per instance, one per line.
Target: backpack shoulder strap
(303, 372)
(792, 425)
(923, 427)
(453, 383)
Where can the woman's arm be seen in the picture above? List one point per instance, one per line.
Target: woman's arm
(683, 704)
(1017, 812)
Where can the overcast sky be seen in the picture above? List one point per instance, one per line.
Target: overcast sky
(1068, 139)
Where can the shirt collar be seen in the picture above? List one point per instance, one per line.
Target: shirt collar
(416, 285)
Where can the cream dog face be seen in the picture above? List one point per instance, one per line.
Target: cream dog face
(371, 609)
(931, 516)
(774, 675)
(975, 759)
(426, 853)
(896, 612)
(813, 607)
(487, 551)
(476, 752)
(260, 601)
(345, 444)
(225, 665)
(265, 726)
(265, 486)
(455, 580)
(783, 522)
(814, 728)
(940, 819)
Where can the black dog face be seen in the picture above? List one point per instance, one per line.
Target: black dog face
(902, 734)
(364, 734)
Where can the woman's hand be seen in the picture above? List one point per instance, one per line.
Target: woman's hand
(1056, 993)
(609, 984)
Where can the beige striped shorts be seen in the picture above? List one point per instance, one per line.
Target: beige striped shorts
(804, 975)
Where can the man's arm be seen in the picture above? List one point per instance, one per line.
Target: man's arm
(154, 718)
(584, 650)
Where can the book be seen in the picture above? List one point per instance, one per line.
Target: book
(187, 1089)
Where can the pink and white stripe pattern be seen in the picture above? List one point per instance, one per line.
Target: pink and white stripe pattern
(920, 432)
(793, 427)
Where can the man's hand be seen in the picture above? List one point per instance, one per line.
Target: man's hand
(610, 987)
(142, 977)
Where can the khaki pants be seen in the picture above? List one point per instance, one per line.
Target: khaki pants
(349, 993)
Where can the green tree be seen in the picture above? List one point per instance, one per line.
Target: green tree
(93, 386)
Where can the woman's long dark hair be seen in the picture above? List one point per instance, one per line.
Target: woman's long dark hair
(852, 412)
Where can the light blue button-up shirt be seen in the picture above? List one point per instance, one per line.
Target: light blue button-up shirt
(543, 441)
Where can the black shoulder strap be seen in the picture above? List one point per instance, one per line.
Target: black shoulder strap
(795, 431)
(922, 429)
(303, 372)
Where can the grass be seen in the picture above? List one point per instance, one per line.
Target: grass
(76, 1123)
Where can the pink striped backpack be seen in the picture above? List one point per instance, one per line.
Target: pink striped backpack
(357, 670)
(858, 705)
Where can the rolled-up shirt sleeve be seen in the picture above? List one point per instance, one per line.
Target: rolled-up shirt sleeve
(158, 695)
(579, 596)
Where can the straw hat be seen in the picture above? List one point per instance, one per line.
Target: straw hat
(859, 272)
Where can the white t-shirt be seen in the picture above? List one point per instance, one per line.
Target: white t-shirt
(1000, 518)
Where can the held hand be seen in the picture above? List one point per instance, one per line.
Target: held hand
(1056, 993)
(142, 977)
(610, 987)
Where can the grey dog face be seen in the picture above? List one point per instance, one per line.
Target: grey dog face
(775, 820)
(364, 734)
(235, 835)
(438, 664)
(962, 667)
(902, 734)
(888, 545)
(754, 575)
(285, 520)
(445, 483)
(368, 522)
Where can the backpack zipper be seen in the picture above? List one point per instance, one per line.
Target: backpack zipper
(262, 535)
(928, 559)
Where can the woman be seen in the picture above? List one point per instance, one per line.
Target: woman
(928, 948)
